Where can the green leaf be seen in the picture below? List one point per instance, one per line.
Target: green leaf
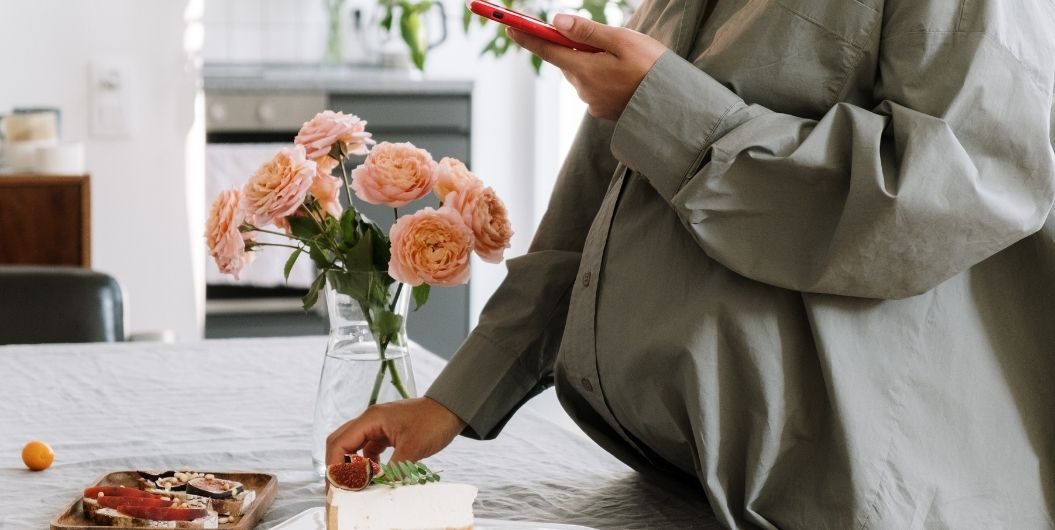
(361, 256)
(302, 226)
(413, 32)
(353, 284)
(318, 257)
(350, 227)
(421, 295)
(405, 473)
(382, 250)
(536, 63)
(386, 324)
(467, 18)
(386, 22)
(313, 291)
(596, 10)
(289, 263)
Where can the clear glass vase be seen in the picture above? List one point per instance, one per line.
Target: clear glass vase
(362, 367)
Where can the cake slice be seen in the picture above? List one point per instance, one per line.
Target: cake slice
(399, 496)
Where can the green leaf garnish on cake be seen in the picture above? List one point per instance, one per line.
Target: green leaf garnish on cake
(405, 473)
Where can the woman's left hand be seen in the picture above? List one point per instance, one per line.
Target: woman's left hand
(607, 80)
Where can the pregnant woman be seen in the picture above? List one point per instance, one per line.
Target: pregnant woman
(802, 252)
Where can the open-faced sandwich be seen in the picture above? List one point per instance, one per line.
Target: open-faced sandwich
(169, 499)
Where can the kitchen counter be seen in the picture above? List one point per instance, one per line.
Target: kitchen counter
(247, 78)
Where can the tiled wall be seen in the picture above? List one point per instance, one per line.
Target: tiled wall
(273, 31)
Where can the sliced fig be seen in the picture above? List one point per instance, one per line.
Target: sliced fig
(115, 491)
(356, 459)
(154, 475)
(117, 502)
(353, 476)
(214, 488)
(163, 514)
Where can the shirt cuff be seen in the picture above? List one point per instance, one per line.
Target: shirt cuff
(483, 386)
(674, 116)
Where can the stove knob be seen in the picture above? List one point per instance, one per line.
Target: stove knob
(218, 112)
(265, 112)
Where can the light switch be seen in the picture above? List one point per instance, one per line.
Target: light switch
(110, 99)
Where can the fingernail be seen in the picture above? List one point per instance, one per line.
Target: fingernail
(562, 21)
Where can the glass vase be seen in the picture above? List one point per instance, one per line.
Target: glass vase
(363, 366)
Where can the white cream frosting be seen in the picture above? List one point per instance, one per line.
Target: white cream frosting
(432, 506)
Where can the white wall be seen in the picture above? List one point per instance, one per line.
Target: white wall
(147, 211)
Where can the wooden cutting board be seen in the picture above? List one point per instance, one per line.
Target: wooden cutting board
(265, 485)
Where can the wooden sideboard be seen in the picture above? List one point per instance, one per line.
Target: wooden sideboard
(45, 220)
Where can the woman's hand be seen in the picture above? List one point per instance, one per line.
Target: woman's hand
(416, 428)
(605, 81)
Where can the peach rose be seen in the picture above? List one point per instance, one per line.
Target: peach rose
(486, 215)
(431, 246)
(278, 187)
(452, 175)
(394, 175)
(327, 128)
(225, 242)
(325, 188)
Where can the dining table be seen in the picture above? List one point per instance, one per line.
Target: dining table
(247, 405)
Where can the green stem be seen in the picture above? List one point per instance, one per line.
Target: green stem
(256, 244)
(395, 300)
(347, 181)
(377, 384)
(397, 380)
(253, 228)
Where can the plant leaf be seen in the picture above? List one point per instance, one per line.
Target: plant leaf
(289, 263)
(302, 226)
(386, 324)
(467, 18)
(386, 22)
(413, 32)
(313, 291)
(421, 295)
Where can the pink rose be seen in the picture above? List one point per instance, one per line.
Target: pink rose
(486, 215)
(278, 187)
(327, 189)
(327, 128)
(431, 246)
(394, 175)
(225, 242)
(452, 175)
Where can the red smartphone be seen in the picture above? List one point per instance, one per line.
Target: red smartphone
(527, 24)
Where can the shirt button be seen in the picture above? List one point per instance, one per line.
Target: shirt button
(587, 384)
(586, 280)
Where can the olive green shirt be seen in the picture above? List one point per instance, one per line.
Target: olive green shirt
(812, 266)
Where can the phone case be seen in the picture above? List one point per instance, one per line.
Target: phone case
(527, 24)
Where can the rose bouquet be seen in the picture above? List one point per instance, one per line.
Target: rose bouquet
(296, 195)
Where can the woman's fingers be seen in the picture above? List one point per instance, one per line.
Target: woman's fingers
(373, 449)
(351, 437)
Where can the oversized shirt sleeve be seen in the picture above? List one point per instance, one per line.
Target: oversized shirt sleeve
(953, 164)
(509, 356)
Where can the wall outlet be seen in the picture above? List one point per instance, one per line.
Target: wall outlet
(110, 99)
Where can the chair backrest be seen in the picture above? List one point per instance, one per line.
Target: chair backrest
(59, 304)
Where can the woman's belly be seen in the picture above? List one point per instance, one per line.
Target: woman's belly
(689, 352)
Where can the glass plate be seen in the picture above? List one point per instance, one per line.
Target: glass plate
(315, 519)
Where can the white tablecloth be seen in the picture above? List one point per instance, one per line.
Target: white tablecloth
(247, 405)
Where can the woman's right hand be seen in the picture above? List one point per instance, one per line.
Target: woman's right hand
(417, 428)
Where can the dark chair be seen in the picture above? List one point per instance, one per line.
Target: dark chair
(59, 304)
